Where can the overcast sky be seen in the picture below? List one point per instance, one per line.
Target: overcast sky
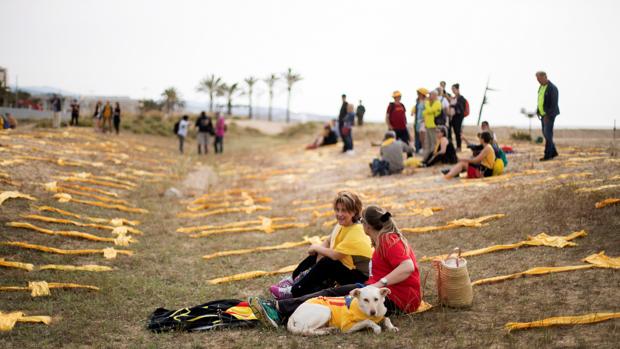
(365, 49)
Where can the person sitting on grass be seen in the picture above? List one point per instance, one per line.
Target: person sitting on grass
(444, 151)
(393, 266)
(327, 137)
(480, 165)
(342, 258)
(391, 153)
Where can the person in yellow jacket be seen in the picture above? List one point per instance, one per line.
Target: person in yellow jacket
(432, 109)
(106, 115)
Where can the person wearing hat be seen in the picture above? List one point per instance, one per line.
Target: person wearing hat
(396, 119)
(391, 154)
(418, 123)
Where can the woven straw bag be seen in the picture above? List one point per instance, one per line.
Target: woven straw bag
(453, 283)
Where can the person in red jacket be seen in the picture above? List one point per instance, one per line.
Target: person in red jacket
(396, 119)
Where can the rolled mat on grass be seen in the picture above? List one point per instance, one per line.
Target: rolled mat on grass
(120, 240)
(607, 202)
(108, 253)
(246, 210)
(8, 320)
(251, 275)
(563, 320)
(265, 228)
(116, 222)
(597, 260)
(63, 197)
(42, 288)
(541, 239)
(232, 225)
(14, 195)
(463, 222)
(285, 245)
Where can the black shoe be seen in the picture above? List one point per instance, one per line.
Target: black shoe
(445, 171)
(545, 159)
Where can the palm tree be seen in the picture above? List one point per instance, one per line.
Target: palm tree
(250, 81)
(171, 99)
(291, 79)
(229, 91)
(210, 85)
(270, 81)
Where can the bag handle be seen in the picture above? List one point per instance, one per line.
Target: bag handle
(458, 257)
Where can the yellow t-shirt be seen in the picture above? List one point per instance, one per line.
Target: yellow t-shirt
(345, 311)
(350, 241)
(489, 160)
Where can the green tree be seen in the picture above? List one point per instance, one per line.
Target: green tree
(171, 100)
(250, 81)
(291, 79)
(271, 81)
(229, 91)
(210, 85)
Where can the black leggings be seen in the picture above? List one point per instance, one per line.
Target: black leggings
(286, 307)
(457, 125)
(323, 274)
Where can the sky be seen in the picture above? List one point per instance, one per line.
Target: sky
(366, 49)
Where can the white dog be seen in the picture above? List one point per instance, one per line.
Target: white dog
(362, 308)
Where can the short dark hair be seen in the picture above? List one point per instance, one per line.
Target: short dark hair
(486, 137)
(185, 117)
(456, 86)
(484, 123)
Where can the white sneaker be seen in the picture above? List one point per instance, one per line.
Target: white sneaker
(350, 152)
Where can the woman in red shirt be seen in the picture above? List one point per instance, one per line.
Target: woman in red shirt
(393, 266)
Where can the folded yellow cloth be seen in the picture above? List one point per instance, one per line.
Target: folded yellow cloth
(5, 195)
(8, 320)
(563, 320)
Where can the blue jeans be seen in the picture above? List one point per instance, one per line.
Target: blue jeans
(547, 130)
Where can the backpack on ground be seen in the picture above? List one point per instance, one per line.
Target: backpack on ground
(226, 313)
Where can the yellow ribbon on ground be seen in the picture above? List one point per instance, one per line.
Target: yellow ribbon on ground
(17, 265)
(114, 229)
(602, 187)
(108, 253)
(314, 208)
(74, 234)
(232, 225)
(463, 222)
(8, 320)
(426, 211)
(599, 260)
(87, 267)
(266, 228)
(247, 210)
(218, 196)
(63, 197)
(42, 288)
(116, 222)
(90, 189)
(563, 320)
(541, 239)
(54, 188)
(105, 178)
(98, 182)
(248, 202)
(251, 275)
(607, 202)
(14, 195)
(285, 245)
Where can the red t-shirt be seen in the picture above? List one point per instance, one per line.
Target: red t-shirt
(397, 116)
(405, 294)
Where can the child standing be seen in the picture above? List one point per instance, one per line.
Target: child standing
(220, 129)
(182, 131)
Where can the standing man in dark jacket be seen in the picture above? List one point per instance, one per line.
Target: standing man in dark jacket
(341, 117)
(361, 110)
(547, 109)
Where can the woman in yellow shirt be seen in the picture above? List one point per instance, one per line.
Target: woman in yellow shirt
(479, 166)
(342, 259)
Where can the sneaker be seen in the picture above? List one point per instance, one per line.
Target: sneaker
(265, 311)
(286, 282)
(281, 292)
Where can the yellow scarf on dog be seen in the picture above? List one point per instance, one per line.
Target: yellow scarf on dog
(345, 311)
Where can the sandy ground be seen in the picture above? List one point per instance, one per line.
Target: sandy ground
(168, 270)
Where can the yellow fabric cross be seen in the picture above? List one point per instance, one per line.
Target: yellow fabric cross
(8, 320)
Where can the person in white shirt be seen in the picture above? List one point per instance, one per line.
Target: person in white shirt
(182, 131)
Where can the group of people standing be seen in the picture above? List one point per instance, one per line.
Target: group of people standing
(205, 130)
(104, 116)
(346, 121)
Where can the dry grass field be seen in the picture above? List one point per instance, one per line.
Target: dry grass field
(167, 268)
